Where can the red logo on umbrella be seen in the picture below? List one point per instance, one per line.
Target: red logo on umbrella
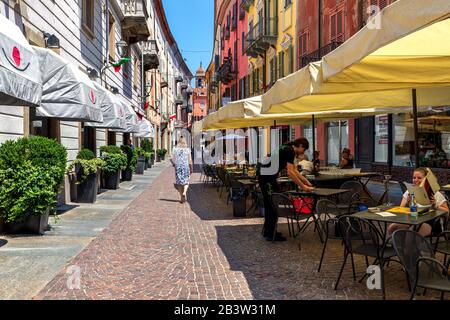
(92, 96)
(16, 56)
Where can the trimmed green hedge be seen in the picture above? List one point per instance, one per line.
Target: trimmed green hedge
(31, 172)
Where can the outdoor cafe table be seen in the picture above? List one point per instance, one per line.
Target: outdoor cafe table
(250, 184)
(400, 218)
(316, 194)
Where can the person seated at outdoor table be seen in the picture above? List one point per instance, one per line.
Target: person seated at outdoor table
(316, 161)
(346, 160)
(437, 202)
(267, 179)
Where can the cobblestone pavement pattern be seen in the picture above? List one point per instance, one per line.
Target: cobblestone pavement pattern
(160, 249)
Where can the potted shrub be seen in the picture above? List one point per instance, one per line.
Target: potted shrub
(127, 173)
(152, 158)
(161, 153)
(148, 162)
(87, 168)
(158, 155)
(147, 146)
(31, 172)
(115, 161)
(140, 167)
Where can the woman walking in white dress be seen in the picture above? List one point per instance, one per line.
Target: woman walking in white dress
(182, 161)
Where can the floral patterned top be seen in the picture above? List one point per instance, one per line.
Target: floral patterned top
(181, 163)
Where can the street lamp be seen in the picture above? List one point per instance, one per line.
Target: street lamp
(122, 48)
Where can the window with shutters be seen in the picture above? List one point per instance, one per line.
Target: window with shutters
(235, 17)
(281, 64)
(375, 6)
(243, 43)
(235, 56)
(272, 70)
(112, 37)
(290, 59)
(337, 25)
(87, 18)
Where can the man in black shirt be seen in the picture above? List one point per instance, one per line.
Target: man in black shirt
(268, 181)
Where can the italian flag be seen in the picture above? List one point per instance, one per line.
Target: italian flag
(173, 116)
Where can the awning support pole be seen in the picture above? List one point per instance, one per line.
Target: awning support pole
(313, 137)
(416, 131)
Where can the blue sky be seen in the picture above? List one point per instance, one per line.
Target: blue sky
(192, 23)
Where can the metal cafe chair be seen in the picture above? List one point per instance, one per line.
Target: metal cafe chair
(328, 211)
(346, 201)
(361, 237)
(418, 259)
(284, 207)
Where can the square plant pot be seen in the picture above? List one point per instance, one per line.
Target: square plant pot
(127, 175)
(31, 225)
(140, 165)
(88, 189)
(111, 180)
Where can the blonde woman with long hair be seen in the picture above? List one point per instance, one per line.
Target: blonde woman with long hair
(182, 161)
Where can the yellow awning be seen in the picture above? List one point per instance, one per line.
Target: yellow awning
(376, 68)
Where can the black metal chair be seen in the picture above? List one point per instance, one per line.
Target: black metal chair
(284, 207)
(361, 237)
(418, 259)
(347, 202)
(328, 212)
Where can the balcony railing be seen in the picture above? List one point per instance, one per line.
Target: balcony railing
(150, 53)
(261, 37)
(179, 100)
(226, 72)
(241, 13)
(246, 4)
(227, 33)
(318, 54)
(178, 79)
(134, 24)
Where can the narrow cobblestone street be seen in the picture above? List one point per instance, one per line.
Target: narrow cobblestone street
(158, 248)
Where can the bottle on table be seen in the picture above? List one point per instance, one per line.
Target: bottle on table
(413, 206)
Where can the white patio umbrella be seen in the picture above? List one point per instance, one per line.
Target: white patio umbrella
(146, 129)
(20, 79)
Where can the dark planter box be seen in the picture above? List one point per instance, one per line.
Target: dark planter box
(158, 159)
(86, 190)
(163, 157)
(127, 175)
(111, 180)
(239, 203)
(140, 165)
(146, 164)
(32, 225)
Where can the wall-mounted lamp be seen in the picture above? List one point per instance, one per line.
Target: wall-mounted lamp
(51, 41)
(122, 48)
(92, 73)
(114, 90)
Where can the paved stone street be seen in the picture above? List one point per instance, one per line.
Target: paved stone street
(158, 248)
(28, 263)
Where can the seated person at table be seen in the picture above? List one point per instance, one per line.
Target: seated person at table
(316, 161)
(437, 202)
(267, 179)
(347, 159)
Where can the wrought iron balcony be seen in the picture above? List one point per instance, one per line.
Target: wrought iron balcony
(134, 24)
(241, 13)
(318, 54)
(178, 79)
(227, 33)
(164, 83)
(226, 72)
(246, 4)
(263, 35)
(150, 53)
(179, 100)
(183, 86)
